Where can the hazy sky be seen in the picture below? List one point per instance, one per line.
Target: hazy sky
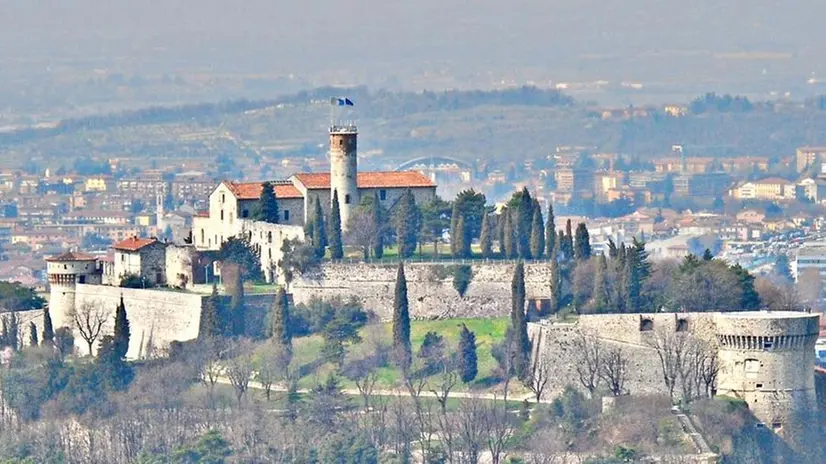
(373, 36)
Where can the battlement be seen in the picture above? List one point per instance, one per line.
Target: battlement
(344, 129)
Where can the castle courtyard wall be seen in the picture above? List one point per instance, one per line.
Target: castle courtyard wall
(429, 287)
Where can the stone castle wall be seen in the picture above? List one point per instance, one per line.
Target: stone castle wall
(765, 359)
(156, 317)
(429, 286)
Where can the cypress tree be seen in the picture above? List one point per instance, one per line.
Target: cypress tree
(334, 234)
(485, 238)
(550, 231)
(569, 241)
(48, 329)
(402, 349)
(613, 252)
(521, 344)
(210, 325)
(468, 366)
(601, 285)
(501, 225)
(632, 283)
(33, 335)
(122, 332)
(707, 256)
(281, 333)
(454, 236)
(319, 230)
(510, 238)
(408, 225)
(582, 252)
(524, 221)
(464, 240)
(378, 222)
(555, 281)
(561, 245)
(238, 310)
(537, 235)
(267, 207)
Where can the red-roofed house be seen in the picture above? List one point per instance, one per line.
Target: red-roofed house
(141, 256)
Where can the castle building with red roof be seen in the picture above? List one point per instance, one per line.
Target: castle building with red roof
(233, 203)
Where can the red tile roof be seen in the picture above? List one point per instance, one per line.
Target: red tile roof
(72, 256)
(202, 214)
(134, 243)
(379, 179)
(252, 190)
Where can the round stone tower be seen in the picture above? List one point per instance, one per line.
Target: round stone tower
(344, 169)
(65, 272)
(767, 359)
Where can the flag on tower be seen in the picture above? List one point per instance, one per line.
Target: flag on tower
(341, 102)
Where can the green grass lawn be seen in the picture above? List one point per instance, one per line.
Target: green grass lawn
(306, 351)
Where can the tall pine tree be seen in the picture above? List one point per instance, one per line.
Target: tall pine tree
(485, 239)
(402, 350)
(555, 281)
(511, 250)
(281, 334)
(463, 247)
(48, 329)
(267, 207)
(524, 221)
(211, 323)
(582, 252)
(122, 332)
(319, 230)
(379, 223)
(550, 231)
(454, 222)
(568, 245)
(237, 307)
(520, 344)
(408, 220)
(601, 294)
(334, 234)
(468, 365)
(537, 235)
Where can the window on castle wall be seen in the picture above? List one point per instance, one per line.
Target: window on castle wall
(341, 142)
(682, 325)
(222, 215)
(347, 199)
(245, 213)
(646, 325)
(286, 215)
(382, 195)
(768, 344)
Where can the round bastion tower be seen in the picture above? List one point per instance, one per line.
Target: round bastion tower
(767, 359)
(65, 272)
(344, 169)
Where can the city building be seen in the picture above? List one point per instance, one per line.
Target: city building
(771, 189)
(806, 156)
(144, 257)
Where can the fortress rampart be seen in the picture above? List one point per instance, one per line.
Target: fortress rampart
(429, 287)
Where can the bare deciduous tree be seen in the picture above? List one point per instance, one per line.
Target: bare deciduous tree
(88, 321)
(539, 378)
(588, 349)
(447, 381)
(273, 365)
(239, 367)
(363, 372)
(613, 370)
(470, 430)
(668, 346)
(497, 427)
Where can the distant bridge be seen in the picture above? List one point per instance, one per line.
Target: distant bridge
(433, 161)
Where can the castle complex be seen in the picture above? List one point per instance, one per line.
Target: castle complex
(765, 359)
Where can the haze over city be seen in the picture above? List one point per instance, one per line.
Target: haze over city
(546, 232)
